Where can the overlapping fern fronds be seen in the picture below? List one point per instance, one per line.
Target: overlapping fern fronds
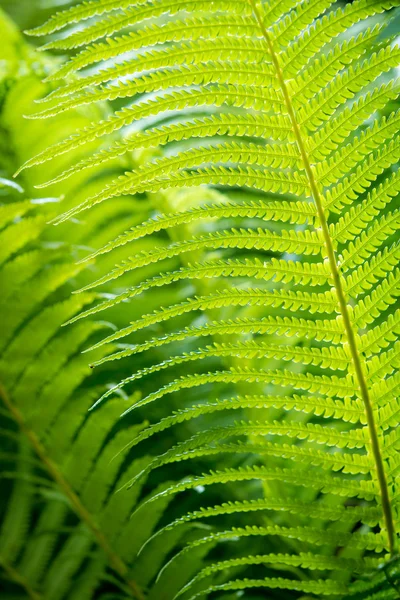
(288, 269)
(64, 532)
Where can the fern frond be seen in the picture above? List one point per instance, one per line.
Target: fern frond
(205, 445)
(219, 125)
(351, 224)
(52, 542)
(74, 14)
(18, 235)
(325, 29)
(330, 386)
(329, 137)
(194, 53)
(243, 176)
(322, 70)
(307, 534)
(176, 31)
(384, 365)
(41, 329)
(295, 242)
(312, 302)
(292, 24)
(276, 155)
(313, 510)
(309, 432)
(325, 587)
(215, 95)
(292, 212)
(276, 127)
(381, 335)
(326, 484)
(46, 283)
(372, 305)
(287, 109)
(346, 192)
(250, 350)
(350, 411)
(305, 560)
(323, 330)
(134, 14)
(346, 85)
(14, 210)
(369, 240)
(330, 171)
(260, 77)
(277, 269)
(365, 276)
(384, 391)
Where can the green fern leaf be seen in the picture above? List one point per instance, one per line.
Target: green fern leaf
(274, 116)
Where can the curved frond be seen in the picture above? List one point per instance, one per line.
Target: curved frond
(254, 145)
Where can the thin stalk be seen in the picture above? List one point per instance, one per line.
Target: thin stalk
(376, 451)
(20, 580)
(115, 561)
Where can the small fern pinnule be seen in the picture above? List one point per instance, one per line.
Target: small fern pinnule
(264, 134)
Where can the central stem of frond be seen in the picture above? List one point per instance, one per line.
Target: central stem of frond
(386, 506)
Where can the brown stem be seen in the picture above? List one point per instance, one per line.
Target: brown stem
(115, 561)
(17, 578)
